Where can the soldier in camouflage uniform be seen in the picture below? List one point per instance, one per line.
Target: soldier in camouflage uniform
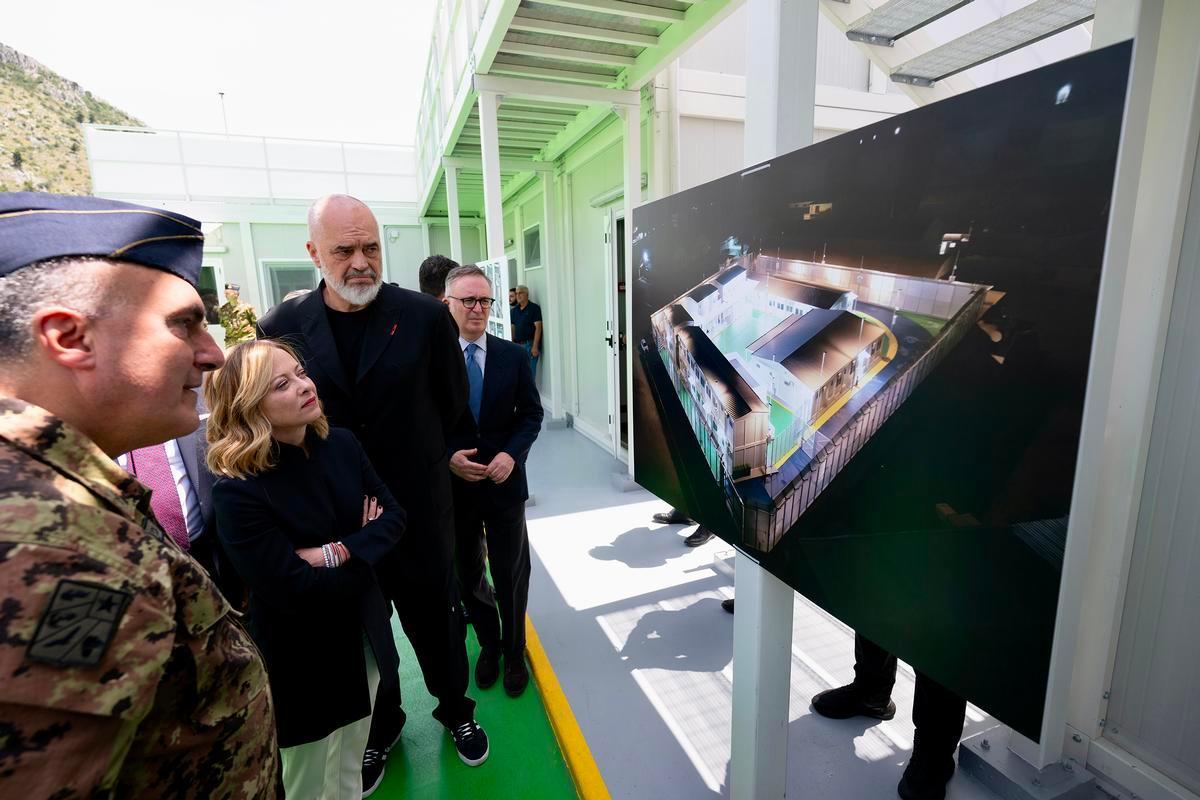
(237, 318)
(123, 671)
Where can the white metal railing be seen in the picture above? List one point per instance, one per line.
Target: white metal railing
(455, 27)
(184, 165)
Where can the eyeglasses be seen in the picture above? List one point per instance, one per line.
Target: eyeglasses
(470, 302)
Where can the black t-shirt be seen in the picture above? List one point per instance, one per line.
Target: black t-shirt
(349, 329)
(523, 319)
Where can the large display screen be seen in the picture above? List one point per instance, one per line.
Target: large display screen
(864, 364)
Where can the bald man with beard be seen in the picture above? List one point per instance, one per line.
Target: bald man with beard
(387, 366)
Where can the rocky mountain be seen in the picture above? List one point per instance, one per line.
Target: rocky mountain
(41, 134)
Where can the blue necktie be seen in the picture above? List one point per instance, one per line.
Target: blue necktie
(475, 376)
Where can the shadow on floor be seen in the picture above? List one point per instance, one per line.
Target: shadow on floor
(642, 548)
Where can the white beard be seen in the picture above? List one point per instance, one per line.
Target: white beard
(354, 295)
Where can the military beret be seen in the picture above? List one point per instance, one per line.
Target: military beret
(35, 226)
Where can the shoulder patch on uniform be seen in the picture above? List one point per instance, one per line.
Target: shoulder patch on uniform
(78, 624)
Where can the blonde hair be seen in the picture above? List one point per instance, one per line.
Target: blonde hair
(239, 435)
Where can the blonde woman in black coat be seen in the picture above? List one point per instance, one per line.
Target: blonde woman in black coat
(304, 517)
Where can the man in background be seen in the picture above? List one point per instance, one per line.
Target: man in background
(387, 366)
(237, 318)
(117, 645)
(489, 447)
(526, 318)
(181, 497)
(431, 276)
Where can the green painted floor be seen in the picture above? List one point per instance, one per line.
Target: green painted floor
(524, 761)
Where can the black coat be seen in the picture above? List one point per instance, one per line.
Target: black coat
(308, 621)
(510, 418)
(411, 389)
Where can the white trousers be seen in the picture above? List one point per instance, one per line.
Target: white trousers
(331, 768)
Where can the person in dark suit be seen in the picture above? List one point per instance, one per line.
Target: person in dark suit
(488, 451)
(431, 275)
(184, 498)
(304, 517)
(387, 366)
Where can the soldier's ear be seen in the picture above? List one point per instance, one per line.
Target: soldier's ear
(65, 336)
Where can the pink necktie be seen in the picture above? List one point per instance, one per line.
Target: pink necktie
(151, 467)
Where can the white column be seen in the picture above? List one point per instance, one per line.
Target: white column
(552, 263)
(452, 208)
(633, 196)
(489, 140)
(781, 74)
(427, 237)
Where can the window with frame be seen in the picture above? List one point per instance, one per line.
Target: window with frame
(289, 276)
(532, 246)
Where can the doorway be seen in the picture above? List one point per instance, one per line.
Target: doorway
(616, 338)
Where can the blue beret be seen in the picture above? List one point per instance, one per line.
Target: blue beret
(35, 226)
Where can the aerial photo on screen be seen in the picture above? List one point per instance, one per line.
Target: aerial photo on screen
(785, 367)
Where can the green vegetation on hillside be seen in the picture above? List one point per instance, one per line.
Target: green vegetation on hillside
(41, 134)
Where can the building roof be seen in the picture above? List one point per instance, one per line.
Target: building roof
(728, 275)
(810, 294)
(731, 388)
(816, 345)
(680, 316)
(702, 291)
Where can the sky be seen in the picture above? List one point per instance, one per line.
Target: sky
(349, 70)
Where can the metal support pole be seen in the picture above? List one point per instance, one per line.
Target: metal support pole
(489, 141)
(452, 208)
(632, 116)
(781, 75)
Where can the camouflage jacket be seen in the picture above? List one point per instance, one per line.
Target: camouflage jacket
(123, 671)
(238, 321)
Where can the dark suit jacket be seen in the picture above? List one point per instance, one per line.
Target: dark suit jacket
(411, 387)
(206, 548)
(510, 418)
(309, 622)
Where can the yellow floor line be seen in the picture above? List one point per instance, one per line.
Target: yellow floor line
(588, 781)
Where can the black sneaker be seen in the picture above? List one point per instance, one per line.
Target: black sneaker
(699, 537)
(372, 770)
(375, 759)
(471, 743)
(516, 676)
(487, 667)
(845, 702)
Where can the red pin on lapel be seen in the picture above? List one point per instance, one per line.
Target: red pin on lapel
(393, 330)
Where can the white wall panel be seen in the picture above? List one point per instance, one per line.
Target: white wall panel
(1154, 709)
(708, 149)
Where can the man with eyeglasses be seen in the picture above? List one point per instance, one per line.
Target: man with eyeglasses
(489, 446)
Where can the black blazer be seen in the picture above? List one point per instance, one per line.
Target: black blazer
(309, 622)
(411, 388)
(510, 419)
(206, 548)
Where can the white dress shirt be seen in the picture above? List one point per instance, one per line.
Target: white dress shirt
(480, 354)
(188, 499)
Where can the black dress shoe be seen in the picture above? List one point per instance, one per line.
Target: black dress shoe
(516, 676)
(845, 702)
(487, 667)
(727, 605)
(918, 783)
(672, 517)
(698, 537)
